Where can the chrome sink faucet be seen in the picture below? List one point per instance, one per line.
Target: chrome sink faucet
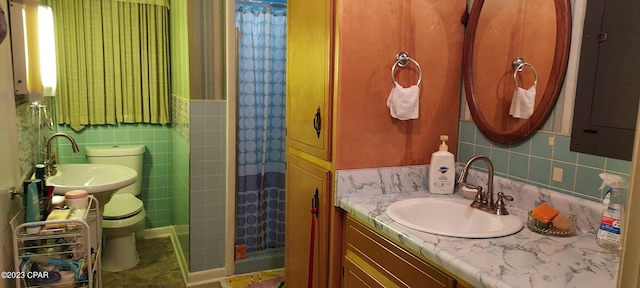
(486, 197)
(50, 162)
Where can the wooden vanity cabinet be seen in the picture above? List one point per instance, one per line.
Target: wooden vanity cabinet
(371, 260)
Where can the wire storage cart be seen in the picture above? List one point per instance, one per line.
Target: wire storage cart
(64, 253)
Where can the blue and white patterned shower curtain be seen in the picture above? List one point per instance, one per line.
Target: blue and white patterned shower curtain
(261, 121)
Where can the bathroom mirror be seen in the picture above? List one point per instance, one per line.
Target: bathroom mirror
(499, 32)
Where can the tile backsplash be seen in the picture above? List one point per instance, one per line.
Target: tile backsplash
(157, 157)
(542, 160)
(32, 125)
(26, 139)
(156, 180)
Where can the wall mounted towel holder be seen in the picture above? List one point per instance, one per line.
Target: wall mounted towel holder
(518, 66)
(402, 60)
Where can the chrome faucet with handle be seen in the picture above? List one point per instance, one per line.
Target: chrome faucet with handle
(50, 162)
(484, 199)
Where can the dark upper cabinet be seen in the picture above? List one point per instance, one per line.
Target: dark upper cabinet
(608, 89)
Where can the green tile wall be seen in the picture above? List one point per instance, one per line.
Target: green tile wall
(180, 192)
(156, 177)
(533, 160)
(180, 172)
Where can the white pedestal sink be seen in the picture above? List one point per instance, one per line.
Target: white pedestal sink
(452, 217)
(99, 180)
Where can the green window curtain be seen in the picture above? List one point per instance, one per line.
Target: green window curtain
(113, 61)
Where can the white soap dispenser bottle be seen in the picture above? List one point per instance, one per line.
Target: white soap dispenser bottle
(442, 172)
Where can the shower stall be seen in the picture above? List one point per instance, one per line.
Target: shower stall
(260, 142)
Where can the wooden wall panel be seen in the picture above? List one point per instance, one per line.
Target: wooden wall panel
(431, 32)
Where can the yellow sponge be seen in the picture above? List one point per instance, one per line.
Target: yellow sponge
(57, 214)
(544, 213)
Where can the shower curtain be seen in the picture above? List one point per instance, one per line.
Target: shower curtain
(261, 135)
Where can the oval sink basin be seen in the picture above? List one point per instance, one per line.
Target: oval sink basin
(452, 217)
(93, 178)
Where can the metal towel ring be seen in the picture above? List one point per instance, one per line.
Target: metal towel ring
(518, 66)
(402, 60)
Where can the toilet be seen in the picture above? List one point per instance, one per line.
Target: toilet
(123, 216)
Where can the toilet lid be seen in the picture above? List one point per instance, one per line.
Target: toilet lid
(122, 206)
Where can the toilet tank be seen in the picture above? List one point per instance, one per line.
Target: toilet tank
(126, 155)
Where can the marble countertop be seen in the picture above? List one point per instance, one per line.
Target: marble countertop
(524, 259)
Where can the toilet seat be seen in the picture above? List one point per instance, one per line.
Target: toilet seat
(122, 206)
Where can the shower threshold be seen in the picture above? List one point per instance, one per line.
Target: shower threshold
(267, 259)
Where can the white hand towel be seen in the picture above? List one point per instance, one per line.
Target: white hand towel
(523, 102)
(403, 102)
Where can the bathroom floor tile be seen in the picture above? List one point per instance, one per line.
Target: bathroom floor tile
(158, 267)
(111, 279)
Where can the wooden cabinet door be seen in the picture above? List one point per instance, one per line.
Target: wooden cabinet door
(387, 263)
(309, 66)
(304, 180)
(356, 277)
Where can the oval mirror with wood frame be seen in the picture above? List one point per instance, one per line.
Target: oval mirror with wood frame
(498, 33)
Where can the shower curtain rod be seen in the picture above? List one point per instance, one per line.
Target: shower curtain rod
(267, 4)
